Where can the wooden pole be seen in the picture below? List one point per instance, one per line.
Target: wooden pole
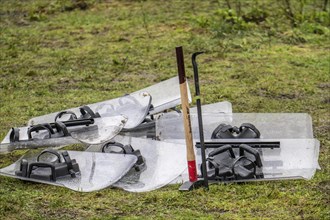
(192, 171)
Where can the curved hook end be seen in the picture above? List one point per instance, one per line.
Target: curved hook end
(196, 54)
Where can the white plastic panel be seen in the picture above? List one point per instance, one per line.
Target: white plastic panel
(97, 170)
(270, 125)
(134, 107)
(101, 131)
(224, 107)
(164, 163)
(220, 107)
(295, 159)
(55, 142)
(278, 125)
(165, 95)
(170, 126)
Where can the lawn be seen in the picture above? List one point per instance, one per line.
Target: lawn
(60, 54)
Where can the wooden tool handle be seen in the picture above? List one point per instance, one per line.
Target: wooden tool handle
(186, 116)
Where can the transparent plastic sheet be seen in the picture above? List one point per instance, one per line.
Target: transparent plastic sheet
(165, 95)
(170, 126)
(149, 129)
(97, 170)
(270, 125)
(134, 107)
(34, 144)
(224, 107)
(164, 163)
(278, 125)
(102, 130)
(295, 159)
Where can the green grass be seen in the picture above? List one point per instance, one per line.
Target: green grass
(55, 56)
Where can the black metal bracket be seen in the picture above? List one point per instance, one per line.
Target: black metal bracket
(59, 128)
(246, 130)
(224, 166)
(49, 171)
(118, 148)
(237, 143)
(188, 186)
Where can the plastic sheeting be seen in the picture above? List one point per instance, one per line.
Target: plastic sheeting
(134, 107)
(97, 170)
(224, 107)
(164, 163)
(165, 95)
(33, 144)
(149, 129)
(102, 130)
(295, 159)
(270, 125)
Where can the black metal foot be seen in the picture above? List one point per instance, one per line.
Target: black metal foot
(188, 186)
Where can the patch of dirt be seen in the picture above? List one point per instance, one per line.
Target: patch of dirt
(236, 76)
(52, 28)
(217, 211)
(324, 86)
(77, 4)
(324, 186)
(301, 213)
(22, 22)
(64, 84)
(123, 39)
(17, 17)
(288, 96)
(55, 44)
(13, 13)
(269, 94)
(100, 31)
(323, 129)
(299, 64)
(326, 100)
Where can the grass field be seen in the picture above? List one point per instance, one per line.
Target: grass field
(61, 54)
